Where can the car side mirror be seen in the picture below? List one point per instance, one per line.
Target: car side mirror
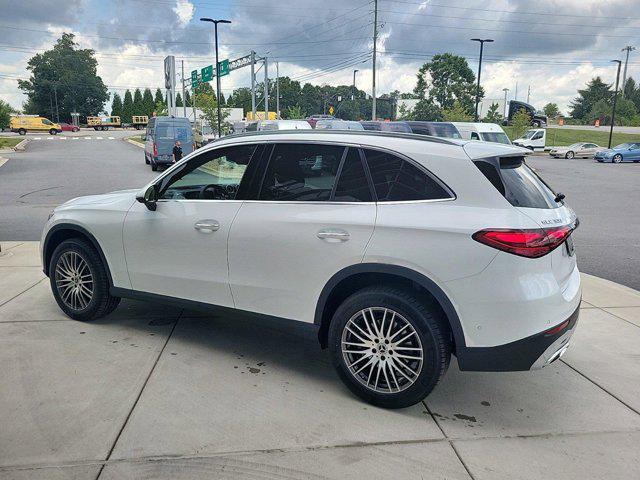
(149, 197)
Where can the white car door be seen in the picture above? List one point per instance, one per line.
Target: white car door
(180, 249)
(313, 216)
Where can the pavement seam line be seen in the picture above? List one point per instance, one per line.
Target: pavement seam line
(135, 403)
(448, 440)
(16, 296)
(620, 318)
(601, 387)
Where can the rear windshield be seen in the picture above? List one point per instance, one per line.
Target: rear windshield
(519, 184)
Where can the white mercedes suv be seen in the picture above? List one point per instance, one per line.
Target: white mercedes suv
(402, 249)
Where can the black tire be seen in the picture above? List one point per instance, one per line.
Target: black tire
(52, 132)
(22, 131)
(146, 160)
(569, 155)
(76, 129)
(101, 302)
(154, 166)
(428, 325)
(617, 158)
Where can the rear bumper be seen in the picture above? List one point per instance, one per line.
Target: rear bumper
(529, 353)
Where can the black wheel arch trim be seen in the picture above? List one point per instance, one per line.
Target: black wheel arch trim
(81, 230)
(396, 270)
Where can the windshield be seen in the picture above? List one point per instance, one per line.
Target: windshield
(496, 137)
(622, 146)
(529, 134)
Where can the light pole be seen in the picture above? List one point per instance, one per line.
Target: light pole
(481, 41)
(215, 29)
(353, 89)
(627, 49)
(615, 100)
(505, 90)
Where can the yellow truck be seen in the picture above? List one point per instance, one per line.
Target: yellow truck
(33, 123)
(104, 123)
(139, 122)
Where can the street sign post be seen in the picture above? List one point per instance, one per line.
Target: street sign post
(224, 68)
(194, 78)
(207, 73)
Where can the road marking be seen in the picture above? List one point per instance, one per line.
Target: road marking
(49, 138)
(87, 138)
(98, 138)
(37, 138)
(63, 138)
(74, 138)
(112, 138)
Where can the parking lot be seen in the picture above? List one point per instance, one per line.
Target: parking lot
(157, 392)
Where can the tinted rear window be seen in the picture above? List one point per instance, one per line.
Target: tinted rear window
(519, 184)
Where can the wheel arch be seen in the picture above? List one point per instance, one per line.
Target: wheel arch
(355, 277)
(64, 231)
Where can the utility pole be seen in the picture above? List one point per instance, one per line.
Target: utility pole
(266, 90)
(481, 41)
(55, 94)
(628, 49)
(215, 29)
(505, 90)
(253, 84)
(277, 90)
(615, 100)
(528, 93)
(353, 89)
(184, 97)
(375, 51)
(515, 97)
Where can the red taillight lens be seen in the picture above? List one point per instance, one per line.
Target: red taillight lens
(532, 243)
(155, 150)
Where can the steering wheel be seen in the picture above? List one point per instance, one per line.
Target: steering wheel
(213, 192)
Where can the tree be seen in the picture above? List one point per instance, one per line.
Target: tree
(457, 113)
(625, 112)
(179, 100)
(208, 104)
(493, 114)
(426, 110)
(445, 79)
(68, 74)
(138, 105)
(596, 90)
(294, 111)
(187, 99)
(116, 106)
(240, 98)
(632, 92)
(159, 98)
(5, 114)
(127, 108)
(147, 102)
(520, 122)
(551, 110)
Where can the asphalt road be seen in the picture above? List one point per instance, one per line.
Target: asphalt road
(606, 197)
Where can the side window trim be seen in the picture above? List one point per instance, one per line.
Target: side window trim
(338, 173)
(367, 172)
(419, 166)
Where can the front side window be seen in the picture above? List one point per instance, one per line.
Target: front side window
(46, 122)
(213, 175)
(396, 179)
(301, 172)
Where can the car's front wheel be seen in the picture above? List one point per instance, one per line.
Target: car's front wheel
(79, 281)
(617, 158)
(390, 348)
(569, 155)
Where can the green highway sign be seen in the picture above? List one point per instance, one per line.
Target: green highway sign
(207, 73)
(194, 78)
(224, 68)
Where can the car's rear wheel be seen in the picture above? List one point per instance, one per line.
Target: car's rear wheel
(617, 158)
(52, 131)
(388, 347)
(79, 281)
(154, 166)
(569, 155)
(146, 160)
(22, 131)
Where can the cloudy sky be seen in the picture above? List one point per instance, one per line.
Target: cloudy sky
(551, 46)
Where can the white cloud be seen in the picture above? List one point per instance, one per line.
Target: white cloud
(184, 10)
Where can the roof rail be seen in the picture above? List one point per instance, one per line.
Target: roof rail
(372, 133)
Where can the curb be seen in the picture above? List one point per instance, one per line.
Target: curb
(21, 146)
(139, 145)
(3, 160)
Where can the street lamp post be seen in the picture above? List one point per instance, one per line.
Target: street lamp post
(615, 100)
(481, 41)
(353, 89)
(215, 29)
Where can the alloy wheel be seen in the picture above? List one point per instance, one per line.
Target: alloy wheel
(382, 350)
(74, 280)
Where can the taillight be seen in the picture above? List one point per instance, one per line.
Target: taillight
(530, 243)
(155, 150)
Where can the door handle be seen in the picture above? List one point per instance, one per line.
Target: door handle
(207, 226)
(333, 235)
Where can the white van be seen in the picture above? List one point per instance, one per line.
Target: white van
(485, 132)
(534, 139)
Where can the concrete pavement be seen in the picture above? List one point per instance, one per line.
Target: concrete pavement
(163, 393)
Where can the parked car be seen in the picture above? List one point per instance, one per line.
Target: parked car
(161, 136)
(584, 150)
(33, 123)
(262, 125)
(435, 129)
(338, 125)
(68, 127)
(377, 126)
(625, 152)
(314, 118)
(534, 139)
(485, 132)
(402, 249)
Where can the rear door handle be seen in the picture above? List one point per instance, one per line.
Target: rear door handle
(207, 226)
(336, 234)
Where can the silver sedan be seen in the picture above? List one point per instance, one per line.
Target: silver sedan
(584, 150)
